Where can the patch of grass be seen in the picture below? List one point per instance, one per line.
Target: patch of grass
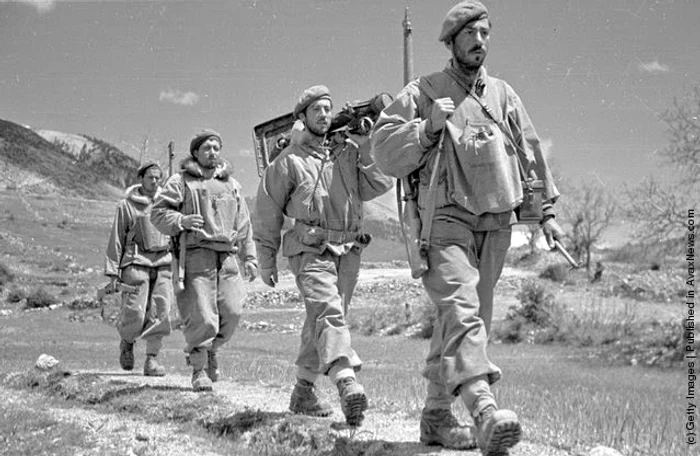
(32, 432)
(392, 307)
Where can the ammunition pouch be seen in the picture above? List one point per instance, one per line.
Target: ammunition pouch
(530, 211)
(314, 236)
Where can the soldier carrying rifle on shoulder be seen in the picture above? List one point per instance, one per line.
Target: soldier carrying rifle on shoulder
(473, 150)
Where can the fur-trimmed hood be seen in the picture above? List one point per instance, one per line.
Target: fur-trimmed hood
(135, 194)
(190, 166)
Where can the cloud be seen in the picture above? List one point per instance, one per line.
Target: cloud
(245, 153)
(42, 6)
(653, 67)
(179, 97)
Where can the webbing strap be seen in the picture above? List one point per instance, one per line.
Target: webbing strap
(429, 212)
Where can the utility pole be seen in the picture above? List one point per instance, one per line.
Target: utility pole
(171, 156)
(407, 50)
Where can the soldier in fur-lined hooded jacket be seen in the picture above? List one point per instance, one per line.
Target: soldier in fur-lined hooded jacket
(138, 254)
(321, 185)
(205, 201)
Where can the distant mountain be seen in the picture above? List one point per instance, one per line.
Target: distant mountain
(62, 163)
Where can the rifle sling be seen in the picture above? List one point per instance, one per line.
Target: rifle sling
(427, 222)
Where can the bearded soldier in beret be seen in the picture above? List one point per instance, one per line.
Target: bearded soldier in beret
(205, 202)
(322, 187)
(139, 255)
(469, 142)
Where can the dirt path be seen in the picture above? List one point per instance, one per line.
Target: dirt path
(117, 433)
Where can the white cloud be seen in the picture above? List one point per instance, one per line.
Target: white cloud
(653, 67)
(42, 6)
(179, 97)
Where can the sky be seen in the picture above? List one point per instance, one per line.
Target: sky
(595, 75)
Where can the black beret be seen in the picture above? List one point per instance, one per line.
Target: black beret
(309, 96)
(459, 16)
(146, 166)
(202, 136)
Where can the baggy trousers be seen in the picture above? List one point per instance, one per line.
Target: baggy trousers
(211, 304)
(326, 283)
(464, 266)
(146, 313)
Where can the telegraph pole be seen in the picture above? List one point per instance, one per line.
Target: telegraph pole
(171, 156)
(407, 50)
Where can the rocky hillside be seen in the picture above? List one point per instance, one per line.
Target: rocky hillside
(30, 162)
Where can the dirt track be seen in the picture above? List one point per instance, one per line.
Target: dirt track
(381, 434)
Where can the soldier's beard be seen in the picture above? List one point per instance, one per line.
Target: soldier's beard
(319, 132)
(467, 64)
(210, 163)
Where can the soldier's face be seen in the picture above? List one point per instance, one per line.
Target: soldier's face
(471, 44)
(151, 180)
(318, 115)
(208, 154)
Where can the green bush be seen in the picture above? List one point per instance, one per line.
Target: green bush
(6, 276)
(40, 298)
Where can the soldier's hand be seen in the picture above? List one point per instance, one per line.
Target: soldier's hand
(269, 276)
(251, 270)
(192, 222)
(552, 231)
(441, 111)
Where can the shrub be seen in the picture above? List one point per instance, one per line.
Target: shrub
(40, 298)
(533, 320)
(556, 272)
(16, 295)
(6, 276)
(660, 344)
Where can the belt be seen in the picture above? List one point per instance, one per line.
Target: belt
(331, 236)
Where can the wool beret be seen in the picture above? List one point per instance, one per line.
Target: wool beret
(309, 96)
(146, 166)
(460, 15)
(202, 136)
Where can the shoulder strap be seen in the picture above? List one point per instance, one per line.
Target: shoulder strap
(501, 125)
(427, 223)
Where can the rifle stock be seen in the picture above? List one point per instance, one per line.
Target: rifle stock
(179, 264)
(409, 219)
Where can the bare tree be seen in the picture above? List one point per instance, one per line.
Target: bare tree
(588, 210)
(658, 209)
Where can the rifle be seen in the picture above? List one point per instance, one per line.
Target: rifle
(409, 220)
(113, 287)
(177, 266)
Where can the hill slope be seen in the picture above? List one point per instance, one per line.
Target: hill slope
(30, 162)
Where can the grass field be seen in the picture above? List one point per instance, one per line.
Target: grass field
(563, 399)
(566, 397)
